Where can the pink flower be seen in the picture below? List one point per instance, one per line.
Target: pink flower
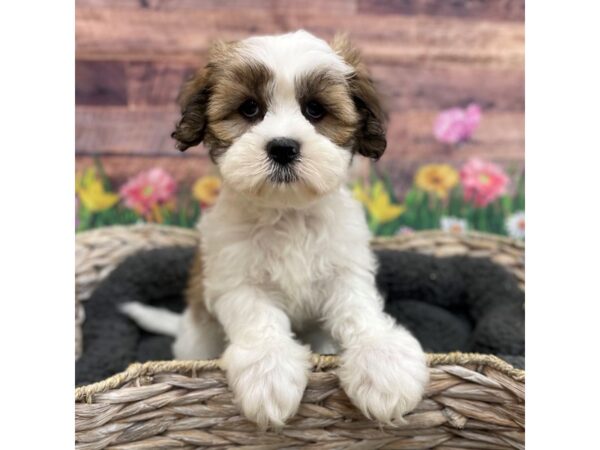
(483, 181)
(457, 124)
(148, 189)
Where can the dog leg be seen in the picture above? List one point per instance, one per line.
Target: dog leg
(266, 368)
(383, 368)
(200, 336)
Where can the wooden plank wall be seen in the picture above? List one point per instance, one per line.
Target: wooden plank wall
(426, 55)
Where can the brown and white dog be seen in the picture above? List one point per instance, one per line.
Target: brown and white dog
(284, 254)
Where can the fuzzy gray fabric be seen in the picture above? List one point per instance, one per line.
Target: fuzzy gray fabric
(449, 304)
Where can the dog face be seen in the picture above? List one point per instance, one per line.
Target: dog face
(282, 116)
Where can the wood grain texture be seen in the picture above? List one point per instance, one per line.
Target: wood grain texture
(280, 6)
(155, 83)
(405, 88)
(473, 9)
(100, 83)
(416, 88)
(425, 56)
(509, 10)
(123, 130)
(421, 41)
(410, 137)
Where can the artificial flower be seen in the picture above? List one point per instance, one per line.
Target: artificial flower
(206, 189)
(90, 190)
(454, 225)
(437, 179)
(147, 190)
(83, 180)
(515, 225)
(403, 231)
(457, 124)
(483, 181)
(378, 203)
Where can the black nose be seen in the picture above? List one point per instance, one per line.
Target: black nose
(283, 150)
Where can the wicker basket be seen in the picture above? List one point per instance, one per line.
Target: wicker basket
(472, 402)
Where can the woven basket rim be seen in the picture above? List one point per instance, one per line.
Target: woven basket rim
(134, 226)
(319, 362)
(469, 234)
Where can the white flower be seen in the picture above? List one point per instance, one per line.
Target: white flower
(515, 225)
(404, 231)
(453, 224)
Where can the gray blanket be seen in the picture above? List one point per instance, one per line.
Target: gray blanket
(450, 304)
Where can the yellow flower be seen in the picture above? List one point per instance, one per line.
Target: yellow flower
(437, 179)
(359, 194)
(91, 192)
(206, 189)
(378, 203)
(82, 181)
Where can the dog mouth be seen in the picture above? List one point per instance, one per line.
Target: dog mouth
(283, 174)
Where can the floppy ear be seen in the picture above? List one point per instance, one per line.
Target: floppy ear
(370, 135)
(193, 100)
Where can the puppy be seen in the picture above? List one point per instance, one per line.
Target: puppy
(284, 253)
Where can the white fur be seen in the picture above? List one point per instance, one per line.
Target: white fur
(280, 259)
(292, 54)
(323, 166)
(155, 320)
(270, 271)
(199, 339)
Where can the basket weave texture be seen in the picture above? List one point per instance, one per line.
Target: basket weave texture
(472, 402)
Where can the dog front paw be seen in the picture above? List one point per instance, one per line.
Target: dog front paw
(385, 377)
(267, 381)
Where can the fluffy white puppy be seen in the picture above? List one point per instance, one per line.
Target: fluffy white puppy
(284, 252)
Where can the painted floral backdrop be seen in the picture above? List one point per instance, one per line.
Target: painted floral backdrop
(451, 73)
(480, 195)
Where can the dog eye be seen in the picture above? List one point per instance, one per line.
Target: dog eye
(314, 111)
(249, 109)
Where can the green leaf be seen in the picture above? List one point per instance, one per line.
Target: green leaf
(387, 182)
(411, 197)
(102, 174)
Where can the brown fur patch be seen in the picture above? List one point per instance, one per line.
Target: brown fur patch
(331, 91)
(210, 100)
(193, 99)
(196, 305)
(194, 293)
(236, 81)
(370, 135)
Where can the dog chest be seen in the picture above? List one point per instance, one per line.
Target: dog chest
(294, 254)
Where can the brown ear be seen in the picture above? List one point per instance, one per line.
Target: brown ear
(193, 100)
(370, 135)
